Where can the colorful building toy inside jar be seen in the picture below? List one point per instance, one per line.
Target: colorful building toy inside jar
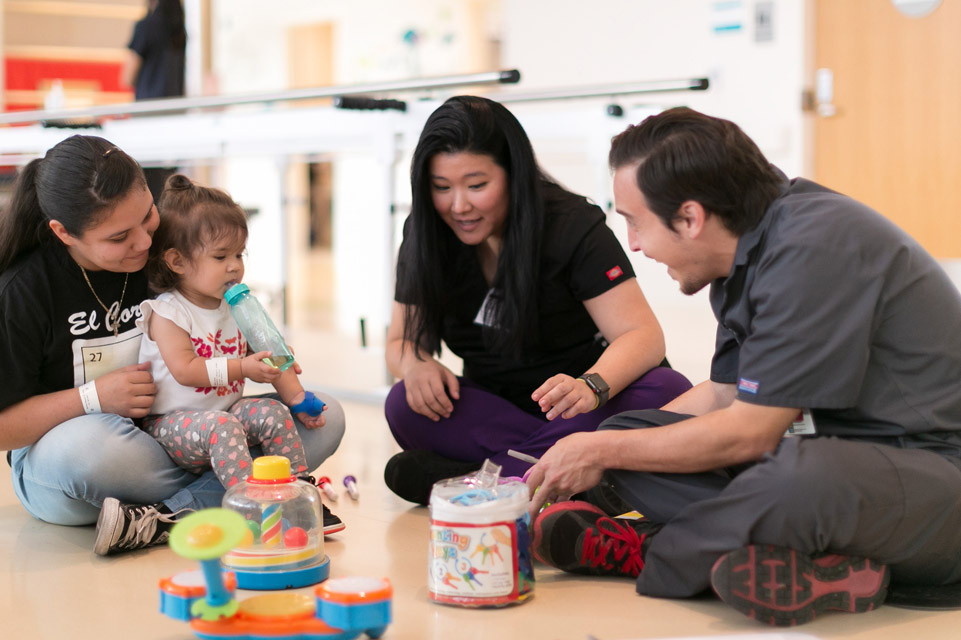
(480, 544)
(283, 546)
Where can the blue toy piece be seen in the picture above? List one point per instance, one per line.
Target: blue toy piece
(286, 579)
(311, 405)
(356, 603)
(179, 593)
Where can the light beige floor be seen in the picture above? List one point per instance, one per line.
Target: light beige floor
(53, 586)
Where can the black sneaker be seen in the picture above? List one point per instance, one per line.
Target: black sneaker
(125, 527)
(412, 474)
(332, 524)
(782, 587)
(579, 537)
(603, 496)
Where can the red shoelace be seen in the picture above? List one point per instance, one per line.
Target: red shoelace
(615, 539)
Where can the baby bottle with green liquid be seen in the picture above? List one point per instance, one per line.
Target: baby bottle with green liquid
(257, 327)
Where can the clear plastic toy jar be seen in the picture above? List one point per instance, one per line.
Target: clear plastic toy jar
(284, 545)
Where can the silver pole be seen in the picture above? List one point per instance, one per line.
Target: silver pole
(657, 86)
(166, 105)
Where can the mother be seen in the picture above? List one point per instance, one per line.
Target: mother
(73, 245)
(525, 282)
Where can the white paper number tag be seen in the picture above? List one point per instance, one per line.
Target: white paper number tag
(95, 357)
(803, 425)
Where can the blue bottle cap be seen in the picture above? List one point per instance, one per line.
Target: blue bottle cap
(235, 292)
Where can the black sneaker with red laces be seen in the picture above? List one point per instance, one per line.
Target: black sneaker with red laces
(779, 586)
(579, 537)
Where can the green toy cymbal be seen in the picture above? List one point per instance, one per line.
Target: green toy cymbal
(207, 534)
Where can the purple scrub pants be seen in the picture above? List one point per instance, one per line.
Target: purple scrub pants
(484, 425)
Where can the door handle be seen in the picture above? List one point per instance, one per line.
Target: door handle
(824, 93)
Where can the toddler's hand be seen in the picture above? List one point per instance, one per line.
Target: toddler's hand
(254, 368)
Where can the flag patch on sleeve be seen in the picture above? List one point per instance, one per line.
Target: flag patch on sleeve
(615, 273)
(748, 386)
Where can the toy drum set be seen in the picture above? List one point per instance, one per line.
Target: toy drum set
(268, 536)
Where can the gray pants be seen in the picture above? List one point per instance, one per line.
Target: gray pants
(895, 505)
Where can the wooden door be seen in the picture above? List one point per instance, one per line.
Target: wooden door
(894, 141)
(310, 280)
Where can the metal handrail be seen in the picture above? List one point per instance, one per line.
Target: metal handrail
(167, 105)
(598, 91)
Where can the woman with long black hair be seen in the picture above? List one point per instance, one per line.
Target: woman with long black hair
(526, 283)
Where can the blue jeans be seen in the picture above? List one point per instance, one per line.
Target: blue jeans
(64, 477)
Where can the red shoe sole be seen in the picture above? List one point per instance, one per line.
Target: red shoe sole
(781, 587)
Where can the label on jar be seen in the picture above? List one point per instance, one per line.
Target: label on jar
(475, 564)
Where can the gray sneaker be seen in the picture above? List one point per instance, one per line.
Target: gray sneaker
(125, 527)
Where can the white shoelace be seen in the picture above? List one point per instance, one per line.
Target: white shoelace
(142, 528)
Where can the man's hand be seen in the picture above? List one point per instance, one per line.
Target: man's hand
(567, 468)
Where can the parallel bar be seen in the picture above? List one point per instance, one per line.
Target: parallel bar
(167, 105)
(657, 86)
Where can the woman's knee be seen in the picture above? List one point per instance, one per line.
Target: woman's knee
(395, 406)
(321, 443)
(641, 419)
(669, 382)
(117, 460)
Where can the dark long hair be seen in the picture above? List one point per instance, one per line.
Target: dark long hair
(474, 125)
(687, 155)
(77, 183)
(171, 15)
(191, 216)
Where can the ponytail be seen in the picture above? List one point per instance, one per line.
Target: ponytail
(22, 224)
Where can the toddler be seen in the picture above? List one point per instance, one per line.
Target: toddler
(200, 360)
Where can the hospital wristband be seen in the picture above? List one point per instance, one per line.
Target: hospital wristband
(89, 398)
(217, 372)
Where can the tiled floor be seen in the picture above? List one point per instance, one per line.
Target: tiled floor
(53, 586)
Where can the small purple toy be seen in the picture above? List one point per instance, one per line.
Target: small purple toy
(351, 483)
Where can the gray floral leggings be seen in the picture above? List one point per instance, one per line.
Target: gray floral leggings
(199, 440)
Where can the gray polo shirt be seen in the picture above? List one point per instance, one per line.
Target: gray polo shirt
(831, 307)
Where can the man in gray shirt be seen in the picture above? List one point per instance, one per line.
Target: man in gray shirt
(823, 457)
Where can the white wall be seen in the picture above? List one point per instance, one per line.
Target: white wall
(250, 50)
(569, 43)
(563, 43)
(371, 43)
(555, 44)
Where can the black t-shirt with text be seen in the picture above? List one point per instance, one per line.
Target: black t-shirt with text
(53, 332)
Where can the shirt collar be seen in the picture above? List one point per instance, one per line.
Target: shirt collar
(750, 240)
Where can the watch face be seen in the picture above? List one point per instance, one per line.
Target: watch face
(597, 383)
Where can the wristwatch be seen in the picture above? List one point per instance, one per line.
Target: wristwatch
(600, 388)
